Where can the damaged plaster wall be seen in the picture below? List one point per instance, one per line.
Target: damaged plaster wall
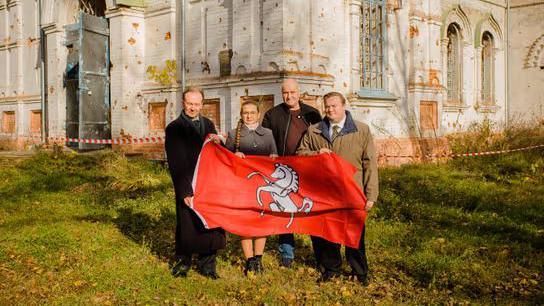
(145, 55)
(19, 68)
(526, 60)
(242, 49)
(475, 18)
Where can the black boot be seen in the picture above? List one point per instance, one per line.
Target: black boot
(181, 267)
(251, 265)
(361, 278)
(206, 265)
(328, 276)
(259, 263)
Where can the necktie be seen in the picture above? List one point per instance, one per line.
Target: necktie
(335, 131)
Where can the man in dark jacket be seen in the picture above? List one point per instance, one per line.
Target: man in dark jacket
(184, 140)
(288, 122)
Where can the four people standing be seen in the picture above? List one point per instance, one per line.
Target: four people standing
(287, 129)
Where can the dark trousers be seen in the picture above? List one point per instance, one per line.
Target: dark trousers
(329, 258)
(205, 263)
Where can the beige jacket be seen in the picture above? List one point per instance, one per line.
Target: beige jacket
(354, 144)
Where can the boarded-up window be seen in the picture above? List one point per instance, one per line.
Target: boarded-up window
(428, 116)
(157, 116)
(225, 58)
(488, 58)
(212, 110)
(264, 103)
(313, 101)
(8, 122)
(454, 64)
(35, 121)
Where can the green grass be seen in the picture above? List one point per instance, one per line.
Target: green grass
(99, 229)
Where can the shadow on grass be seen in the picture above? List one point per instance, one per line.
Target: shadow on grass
(158, 234)
(155, 233)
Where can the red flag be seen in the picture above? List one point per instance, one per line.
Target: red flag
(259, 196)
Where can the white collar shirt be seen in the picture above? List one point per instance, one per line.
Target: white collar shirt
(339, 124)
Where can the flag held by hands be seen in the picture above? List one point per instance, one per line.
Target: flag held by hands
(260, 196)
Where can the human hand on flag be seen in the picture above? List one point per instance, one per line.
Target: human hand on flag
(188, 201)
(369, 205)
(240, 154)
(217, 138)
(325, 150)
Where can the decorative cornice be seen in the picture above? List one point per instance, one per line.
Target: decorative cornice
(26, 99)
(159, 10)
(125, 11)
(486, 108)
(454, 108)
(359, 102)
(51, 28)
(266, 77)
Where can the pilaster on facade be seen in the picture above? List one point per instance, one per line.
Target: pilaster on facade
(355, 58)
(56, 58)
(127, 45)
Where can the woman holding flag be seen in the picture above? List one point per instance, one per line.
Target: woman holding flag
(250, 138)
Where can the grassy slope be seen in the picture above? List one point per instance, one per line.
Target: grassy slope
(77, 229)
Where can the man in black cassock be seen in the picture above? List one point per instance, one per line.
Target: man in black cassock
(184, 139)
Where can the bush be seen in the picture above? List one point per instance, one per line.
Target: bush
(489, 136)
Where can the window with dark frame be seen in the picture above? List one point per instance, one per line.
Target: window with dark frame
(454, 64)
(486, 70)
(373, 44)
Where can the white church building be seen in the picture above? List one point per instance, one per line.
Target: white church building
(413, 70)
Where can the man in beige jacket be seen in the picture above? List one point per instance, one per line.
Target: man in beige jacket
(352, 141)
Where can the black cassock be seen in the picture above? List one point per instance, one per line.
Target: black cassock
(183, 144)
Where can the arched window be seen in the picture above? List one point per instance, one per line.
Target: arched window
(486, 70)
(454, 64)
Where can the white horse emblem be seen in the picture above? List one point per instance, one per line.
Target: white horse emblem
(286, 182)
